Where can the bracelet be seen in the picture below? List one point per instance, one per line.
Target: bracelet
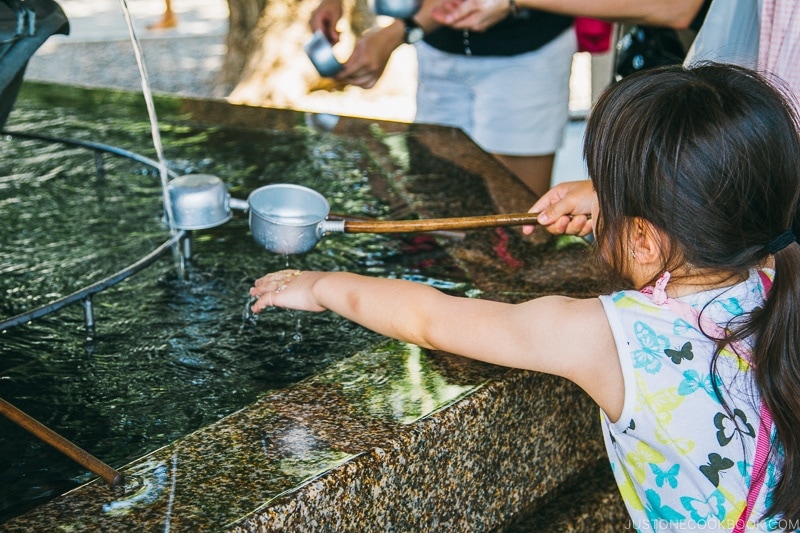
(514, 9)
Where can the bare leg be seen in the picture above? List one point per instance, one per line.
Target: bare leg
(534, 171)
(168, 20)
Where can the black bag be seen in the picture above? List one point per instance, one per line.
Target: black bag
(644, 47)
(24, 26)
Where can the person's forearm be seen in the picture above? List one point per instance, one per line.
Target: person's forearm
(424, 16)
(389, 307)
(677, 14)
(394, 33)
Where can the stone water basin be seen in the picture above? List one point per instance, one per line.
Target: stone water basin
(383, 436)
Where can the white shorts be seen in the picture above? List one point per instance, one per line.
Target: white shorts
(515, 105)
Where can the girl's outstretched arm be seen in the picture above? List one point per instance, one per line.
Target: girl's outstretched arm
(554, 334)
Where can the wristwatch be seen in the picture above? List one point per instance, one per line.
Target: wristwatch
(413, 32)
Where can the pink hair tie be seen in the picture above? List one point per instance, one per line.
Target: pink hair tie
(658, 293)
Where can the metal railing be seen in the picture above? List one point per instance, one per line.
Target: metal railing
(85, 295)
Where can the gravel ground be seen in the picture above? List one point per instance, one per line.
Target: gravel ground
(99, 53)
(185, 66)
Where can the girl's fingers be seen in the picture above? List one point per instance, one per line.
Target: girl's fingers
(267, 287)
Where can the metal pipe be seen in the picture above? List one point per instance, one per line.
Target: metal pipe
(77, 454)
(241, 205)
(99, 166)
(93, 288)
(90, 145)
(88, 315)
(187, 246)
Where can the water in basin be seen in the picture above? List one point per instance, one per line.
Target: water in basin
(173, 351)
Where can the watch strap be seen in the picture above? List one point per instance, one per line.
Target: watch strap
(413, 32)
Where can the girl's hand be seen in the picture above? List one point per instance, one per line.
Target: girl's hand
(286, 288)
(565, 209)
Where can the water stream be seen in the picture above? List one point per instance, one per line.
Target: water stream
(151, 113)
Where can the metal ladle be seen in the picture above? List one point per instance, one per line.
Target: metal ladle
(291, 219)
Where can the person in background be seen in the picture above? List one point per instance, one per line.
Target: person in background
(168, 19)
(564, 209)
(695, 360)
(506, 87)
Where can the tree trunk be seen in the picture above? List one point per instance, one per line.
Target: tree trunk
(244, 15)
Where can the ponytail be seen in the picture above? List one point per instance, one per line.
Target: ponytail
(776, 361)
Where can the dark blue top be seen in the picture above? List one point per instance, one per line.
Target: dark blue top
(527, 32)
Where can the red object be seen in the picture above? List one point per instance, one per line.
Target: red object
(594, 35)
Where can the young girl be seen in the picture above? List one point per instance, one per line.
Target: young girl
(697, 372)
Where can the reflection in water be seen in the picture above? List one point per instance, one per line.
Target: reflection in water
(324, 122)
(173, 351)
(142, 487)
(312, 463)
(171, 502)
(403, 393)
(303, 455)
(422, 392)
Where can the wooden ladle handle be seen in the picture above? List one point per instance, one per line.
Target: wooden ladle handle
(438, 224)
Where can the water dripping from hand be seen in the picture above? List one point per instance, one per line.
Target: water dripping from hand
(297, 336)
(249, 318)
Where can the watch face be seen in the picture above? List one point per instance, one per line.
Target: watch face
(414, 34)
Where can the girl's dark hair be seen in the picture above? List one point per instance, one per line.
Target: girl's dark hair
(710, 155)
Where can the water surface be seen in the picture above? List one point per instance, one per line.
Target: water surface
(173, 351)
